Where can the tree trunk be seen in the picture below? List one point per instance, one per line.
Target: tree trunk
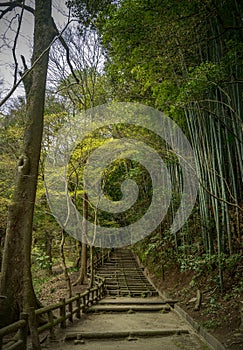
(91, 283)
(48, 248)
(78, 252)
(64, 266)
(16, 279)
(83, 269)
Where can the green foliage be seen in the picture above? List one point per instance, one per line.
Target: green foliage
(93, 89)
(39, 279)
(208, 263)
(200, 81)
(87, 11)
(211, 324)
(40, 260)
(180, 58)
(184, 58)
(11, 137)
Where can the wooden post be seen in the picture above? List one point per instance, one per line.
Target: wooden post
(102, 289)
(83, 302)
(88, 297)
(63, 312)
(78, 315)
(241, 315)
(33, 329)
(92, 297)
(70, 309)
(50, 320)
(23, 332)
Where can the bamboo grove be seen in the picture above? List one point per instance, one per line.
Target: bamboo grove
(185, 58)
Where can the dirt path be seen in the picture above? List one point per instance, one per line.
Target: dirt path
(132, 316)
(114, 324)
(183, 343)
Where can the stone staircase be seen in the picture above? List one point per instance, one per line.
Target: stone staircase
(124, 277)
(131, 317)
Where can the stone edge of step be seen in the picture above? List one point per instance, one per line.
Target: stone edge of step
(125, 334)
(210, 340)
(128, 308)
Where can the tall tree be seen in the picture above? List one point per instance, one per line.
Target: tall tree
(16, 281)
(85, 90)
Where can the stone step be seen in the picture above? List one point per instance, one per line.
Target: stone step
(132, 274)
(125, 334)
(124, 277)
(131, 293)
(132, 287)
(129, 308)
(120, 271)
(136, 301)
(127, 285)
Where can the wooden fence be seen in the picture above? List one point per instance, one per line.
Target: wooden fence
(21, 327)
(67, 310)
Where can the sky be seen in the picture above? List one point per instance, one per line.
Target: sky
(8, 26)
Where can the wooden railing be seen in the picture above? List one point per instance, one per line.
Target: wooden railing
(68, 309)
(99, 261)
(21, 327)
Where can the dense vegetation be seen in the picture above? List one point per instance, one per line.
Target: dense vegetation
(182, 58)
(186, 60)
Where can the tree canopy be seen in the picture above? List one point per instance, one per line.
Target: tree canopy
(184, 59)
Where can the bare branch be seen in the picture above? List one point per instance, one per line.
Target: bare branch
(24, 62)
(63, 42)
(65, 87)
(15, 45)
(27, 81)
(9, 94)
(13, 4)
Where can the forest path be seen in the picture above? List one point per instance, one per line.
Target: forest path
(124, 276)
(132, 316)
